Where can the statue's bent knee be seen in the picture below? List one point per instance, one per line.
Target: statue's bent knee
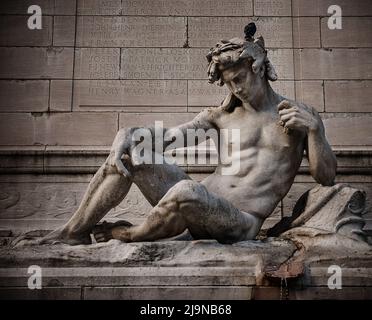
(188, 191)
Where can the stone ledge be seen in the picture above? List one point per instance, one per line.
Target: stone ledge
(174, 276)
(76, 159)
(184, 293)
(178, 283)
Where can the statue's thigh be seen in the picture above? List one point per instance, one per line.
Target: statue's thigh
(154, 180)
(209, 216)
(224, 222)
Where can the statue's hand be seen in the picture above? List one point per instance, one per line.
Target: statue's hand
(298, 117)
(122, 145)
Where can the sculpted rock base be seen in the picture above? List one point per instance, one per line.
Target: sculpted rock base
(325, 229)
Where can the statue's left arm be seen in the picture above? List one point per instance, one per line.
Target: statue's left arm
(322, 161)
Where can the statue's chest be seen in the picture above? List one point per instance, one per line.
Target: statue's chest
(261, 130)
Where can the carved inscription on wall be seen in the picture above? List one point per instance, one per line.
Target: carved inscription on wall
(97, 31)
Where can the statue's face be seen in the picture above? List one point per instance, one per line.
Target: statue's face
(239, 80)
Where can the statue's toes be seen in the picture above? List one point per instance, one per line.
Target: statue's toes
(101, 234)
(101, 237)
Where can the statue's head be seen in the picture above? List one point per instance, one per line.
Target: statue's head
(241, 64)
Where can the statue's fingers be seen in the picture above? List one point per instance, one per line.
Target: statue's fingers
(291, 123)
(284, 111)
(285, 118)
(284, 105)
(122, 169)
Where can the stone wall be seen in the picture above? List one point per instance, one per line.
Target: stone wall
(97, 66)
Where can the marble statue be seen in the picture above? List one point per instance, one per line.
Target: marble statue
(275, 132)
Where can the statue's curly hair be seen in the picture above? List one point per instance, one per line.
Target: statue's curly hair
(228, 53)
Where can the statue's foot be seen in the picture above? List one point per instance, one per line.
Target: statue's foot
(102, 232)
(60, 235)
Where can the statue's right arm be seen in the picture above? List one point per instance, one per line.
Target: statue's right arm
(124, 142)
(203, 121)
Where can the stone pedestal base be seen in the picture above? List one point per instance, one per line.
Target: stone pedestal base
(177, 270)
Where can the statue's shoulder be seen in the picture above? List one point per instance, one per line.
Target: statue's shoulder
(211, 113)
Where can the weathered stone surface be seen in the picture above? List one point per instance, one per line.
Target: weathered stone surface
(39, 63)
(49, 7)
(284, 88)
(100, 94)
(163, 63)
(200, 93)
(58, 128)
(80, 128)
(323, 217)
(293, 195)
(168, 293)
(333, 64)
(148, 119)
(282, 59)
(73, 293)
(205, 32)
(313, 293)
(64, 31)
(97, 7)
(165, 253)
(348, 96)
(32, 160)
(367, 188)
(24, 96)
(341, 129)
(21, 6)
(65, 160)
(306, 32)
(355, 33)
(11, 133)
(96, 31)
(97, 63)
(137, 276)
(178, 63)
(310, 92)
(274, 218)
(322, 293)
(60, 95)
(272, 8)
(65, 7)
(15, 32)
(215, 281)
(326, 226)
(135, 109)
(188, 8)
(320, 7)
(37, 201)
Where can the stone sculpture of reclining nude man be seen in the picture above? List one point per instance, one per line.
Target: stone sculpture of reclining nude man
(274, 133)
